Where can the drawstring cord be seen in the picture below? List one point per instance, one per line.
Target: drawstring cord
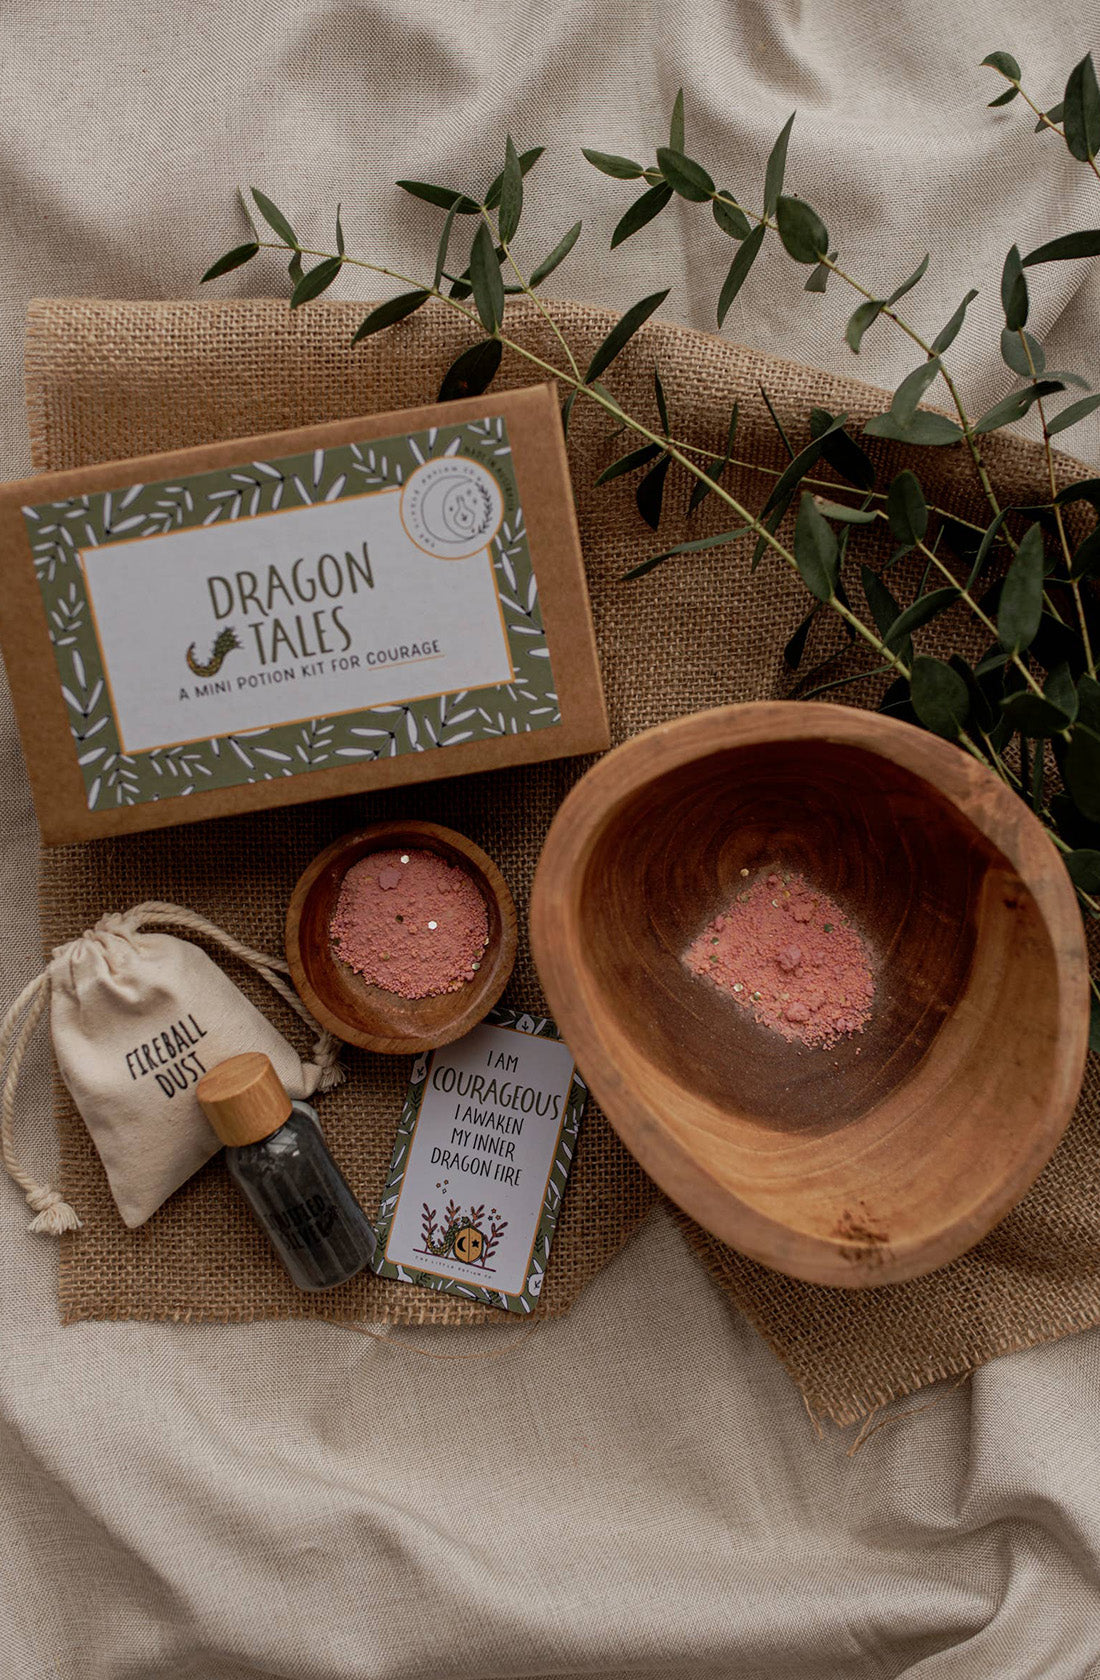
(53, 1215)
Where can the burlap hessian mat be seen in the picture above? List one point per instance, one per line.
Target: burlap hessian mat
(107, 380)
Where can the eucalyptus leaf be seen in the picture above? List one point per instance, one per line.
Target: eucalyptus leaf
(815, 550)
(1086, 556)
(642, 211)
(684, 175)
(1066, 248)
(650, 494)
(842, 453)
(948, 334)
(1060, 691)
(629, 463)
(527, 161)
(315, 281)
(911, 390)
(846, 515)
(622, 332)
(1015, 405)
(796, 646)
(232, 259)
(906, 509)
(1081, 111)
(695, 547)
(919, 613)
(274, 217)
(1088, 703)
(486, 280)
(739, 270)
(989, 537)
(819, 277)
(981, 712)
(1004, 98)
(1014, 299)
(1005, 63)
(800, 466)
(896, 703)
(907, 285)
(923, 428)
(339, 233)
(885, 609)
(511, 194)
(659, 395)
(1081, 770)
(1083, 866)
(777, 423)
(557, 256)
(445, 198)
(1054, 115)
(940, 697)
(395, 309)
(1021, 601)
(863, 316)
(1015, 355)
(1085, 490)
(702, 490)
(1032, 716)
(676, 123)
(1071, 415)
(731, 218)
(776, 167)
(444, 245)
(472, 372)
(801, 229)
(608, 163)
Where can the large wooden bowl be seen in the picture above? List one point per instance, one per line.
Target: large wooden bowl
(897, 1149)
(368, 1015)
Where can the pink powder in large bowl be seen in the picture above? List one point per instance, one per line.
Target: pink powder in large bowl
(411, 922)
(785, 952)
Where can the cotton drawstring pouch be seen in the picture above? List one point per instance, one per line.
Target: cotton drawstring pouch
(137, 1017)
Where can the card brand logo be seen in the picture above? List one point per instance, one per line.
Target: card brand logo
(451, 507)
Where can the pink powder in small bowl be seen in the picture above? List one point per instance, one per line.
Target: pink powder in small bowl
(788, 954)
(410, 922)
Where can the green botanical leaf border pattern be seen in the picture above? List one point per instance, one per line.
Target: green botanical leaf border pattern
(59, 530)
(555, 1189)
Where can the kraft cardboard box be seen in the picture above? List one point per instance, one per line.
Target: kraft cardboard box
(291, 617)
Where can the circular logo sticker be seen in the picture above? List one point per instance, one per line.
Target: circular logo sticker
(452, 507)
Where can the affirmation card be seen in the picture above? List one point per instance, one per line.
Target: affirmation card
(483, 1152)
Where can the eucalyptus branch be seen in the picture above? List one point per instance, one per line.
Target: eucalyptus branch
(984, 710)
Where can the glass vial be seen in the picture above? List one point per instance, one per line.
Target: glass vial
(277, 1156)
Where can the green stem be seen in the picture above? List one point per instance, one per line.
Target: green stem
(1063, 538)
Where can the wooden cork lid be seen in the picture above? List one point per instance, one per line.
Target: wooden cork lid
(243, 1099)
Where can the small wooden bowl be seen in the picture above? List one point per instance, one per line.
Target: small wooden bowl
(897, 1149)
(367, 1015)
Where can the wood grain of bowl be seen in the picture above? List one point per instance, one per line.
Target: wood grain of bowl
(370, 1016)
(897, 1149)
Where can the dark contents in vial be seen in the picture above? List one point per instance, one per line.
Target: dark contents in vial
(302, 1200)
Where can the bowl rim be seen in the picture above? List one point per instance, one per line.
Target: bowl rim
(973, 789)
(473, 1003)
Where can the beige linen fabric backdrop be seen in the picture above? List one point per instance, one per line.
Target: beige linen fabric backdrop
(634, 1490)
